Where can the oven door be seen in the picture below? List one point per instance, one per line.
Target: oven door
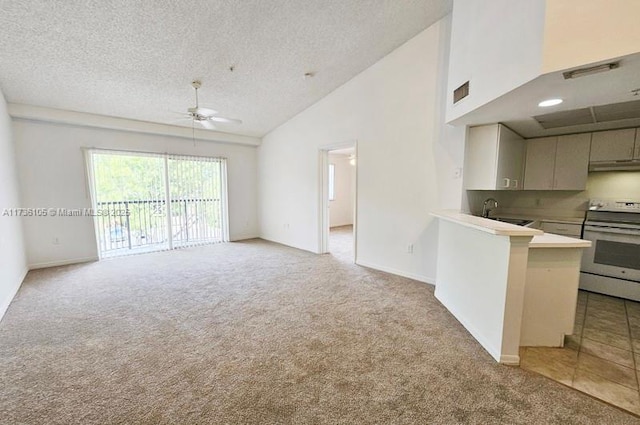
(615, 252)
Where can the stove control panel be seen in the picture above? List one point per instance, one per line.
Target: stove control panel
(614, 205)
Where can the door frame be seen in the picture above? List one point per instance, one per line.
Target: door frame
(323, 196)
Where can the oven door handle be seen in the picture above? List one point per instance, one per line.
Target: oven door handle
(615, 230)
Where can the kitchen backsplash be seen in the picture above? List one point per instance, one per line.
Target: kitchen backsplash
(546, 203)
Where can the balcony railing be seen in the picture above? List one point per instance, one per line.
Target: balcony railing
(125, 227)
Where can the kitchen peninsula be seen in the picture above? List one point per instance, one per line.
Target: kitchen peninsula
(508, 285)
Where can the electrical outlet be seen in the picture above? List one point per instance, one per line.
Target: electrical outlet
(410, 248)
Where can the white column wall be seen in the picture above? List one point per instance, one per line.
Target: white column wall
(495, 45)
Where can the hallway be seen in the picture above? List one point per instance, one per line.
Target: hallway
(341, 243)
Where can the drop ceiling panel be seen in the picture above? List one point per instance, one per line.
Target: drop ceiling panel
(617, 111)
(565, 118)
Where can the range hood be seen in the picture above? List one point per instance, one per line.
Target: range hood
(632, 165)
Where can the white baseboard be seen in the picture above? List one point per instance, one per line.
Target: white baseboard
(5, 303)
(62, 263)
(243, 237)
(397, 272)
(340, 225)
(494, 352)
(510, 360)
(266, 238)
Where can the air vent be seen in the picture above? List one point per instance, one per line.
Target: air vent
(461, 92)
(592, 115)
(576, 73)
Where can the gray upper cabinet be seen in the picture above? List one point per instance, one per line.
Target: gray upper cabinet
(636, 152)
(613, 145)
(572, 162)
(540, 163)
(557, 163)
(494, 158)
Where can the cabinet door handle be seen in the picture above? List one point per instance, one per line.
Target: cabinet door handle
(506, 183)
(515, 183)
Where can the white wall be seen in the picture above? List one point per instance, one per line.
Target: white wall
(487, 295)
(52, 175)
(13, 265)
(579, 32)
(406, 159)
(495, 45)
(341, 207)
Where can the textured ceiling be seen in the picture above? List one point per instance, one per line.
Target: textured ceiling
(136, 59)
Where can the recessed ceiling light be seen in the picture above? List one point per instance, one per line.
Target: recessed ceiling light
(549, 102)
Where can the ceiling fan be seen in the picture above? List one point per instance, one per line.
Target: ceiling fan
(205, 116)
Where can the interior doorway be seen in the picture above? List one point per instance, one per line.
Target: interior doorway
(339, 201)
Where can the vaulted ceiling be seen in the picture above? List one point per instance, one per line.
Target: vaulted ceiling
(136, 59)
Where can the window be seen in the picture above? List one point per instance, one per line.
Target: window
(332, 182)
(151, 202)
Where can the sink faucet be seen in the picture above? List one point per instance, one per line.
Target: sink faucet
(485, 210)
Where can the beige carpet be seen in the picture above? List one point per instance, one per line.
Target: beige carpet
(341, 243)
(256, 333)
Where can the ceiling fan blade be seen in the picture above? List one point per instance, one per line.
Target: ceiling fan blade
(223, 119)
(207, 124)
(203, 111)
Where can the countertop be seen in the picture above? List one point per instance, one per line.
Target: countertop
(485, 224)
(550, 240)
(540, 239)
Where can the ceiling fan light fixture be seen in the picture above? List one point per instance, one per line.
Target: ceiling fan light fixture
(205, 116)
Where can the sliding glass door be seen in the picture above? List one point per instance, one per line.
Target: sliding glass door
(151, 202)
(197, 201)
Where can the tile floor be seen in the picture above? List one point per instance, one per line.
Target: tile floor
(602, 357)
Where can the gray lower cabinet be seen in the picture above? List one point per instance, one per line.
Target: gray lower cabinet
(561, 228)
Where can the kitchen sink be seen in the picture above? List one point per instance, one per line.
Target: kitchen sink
(516, 221)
